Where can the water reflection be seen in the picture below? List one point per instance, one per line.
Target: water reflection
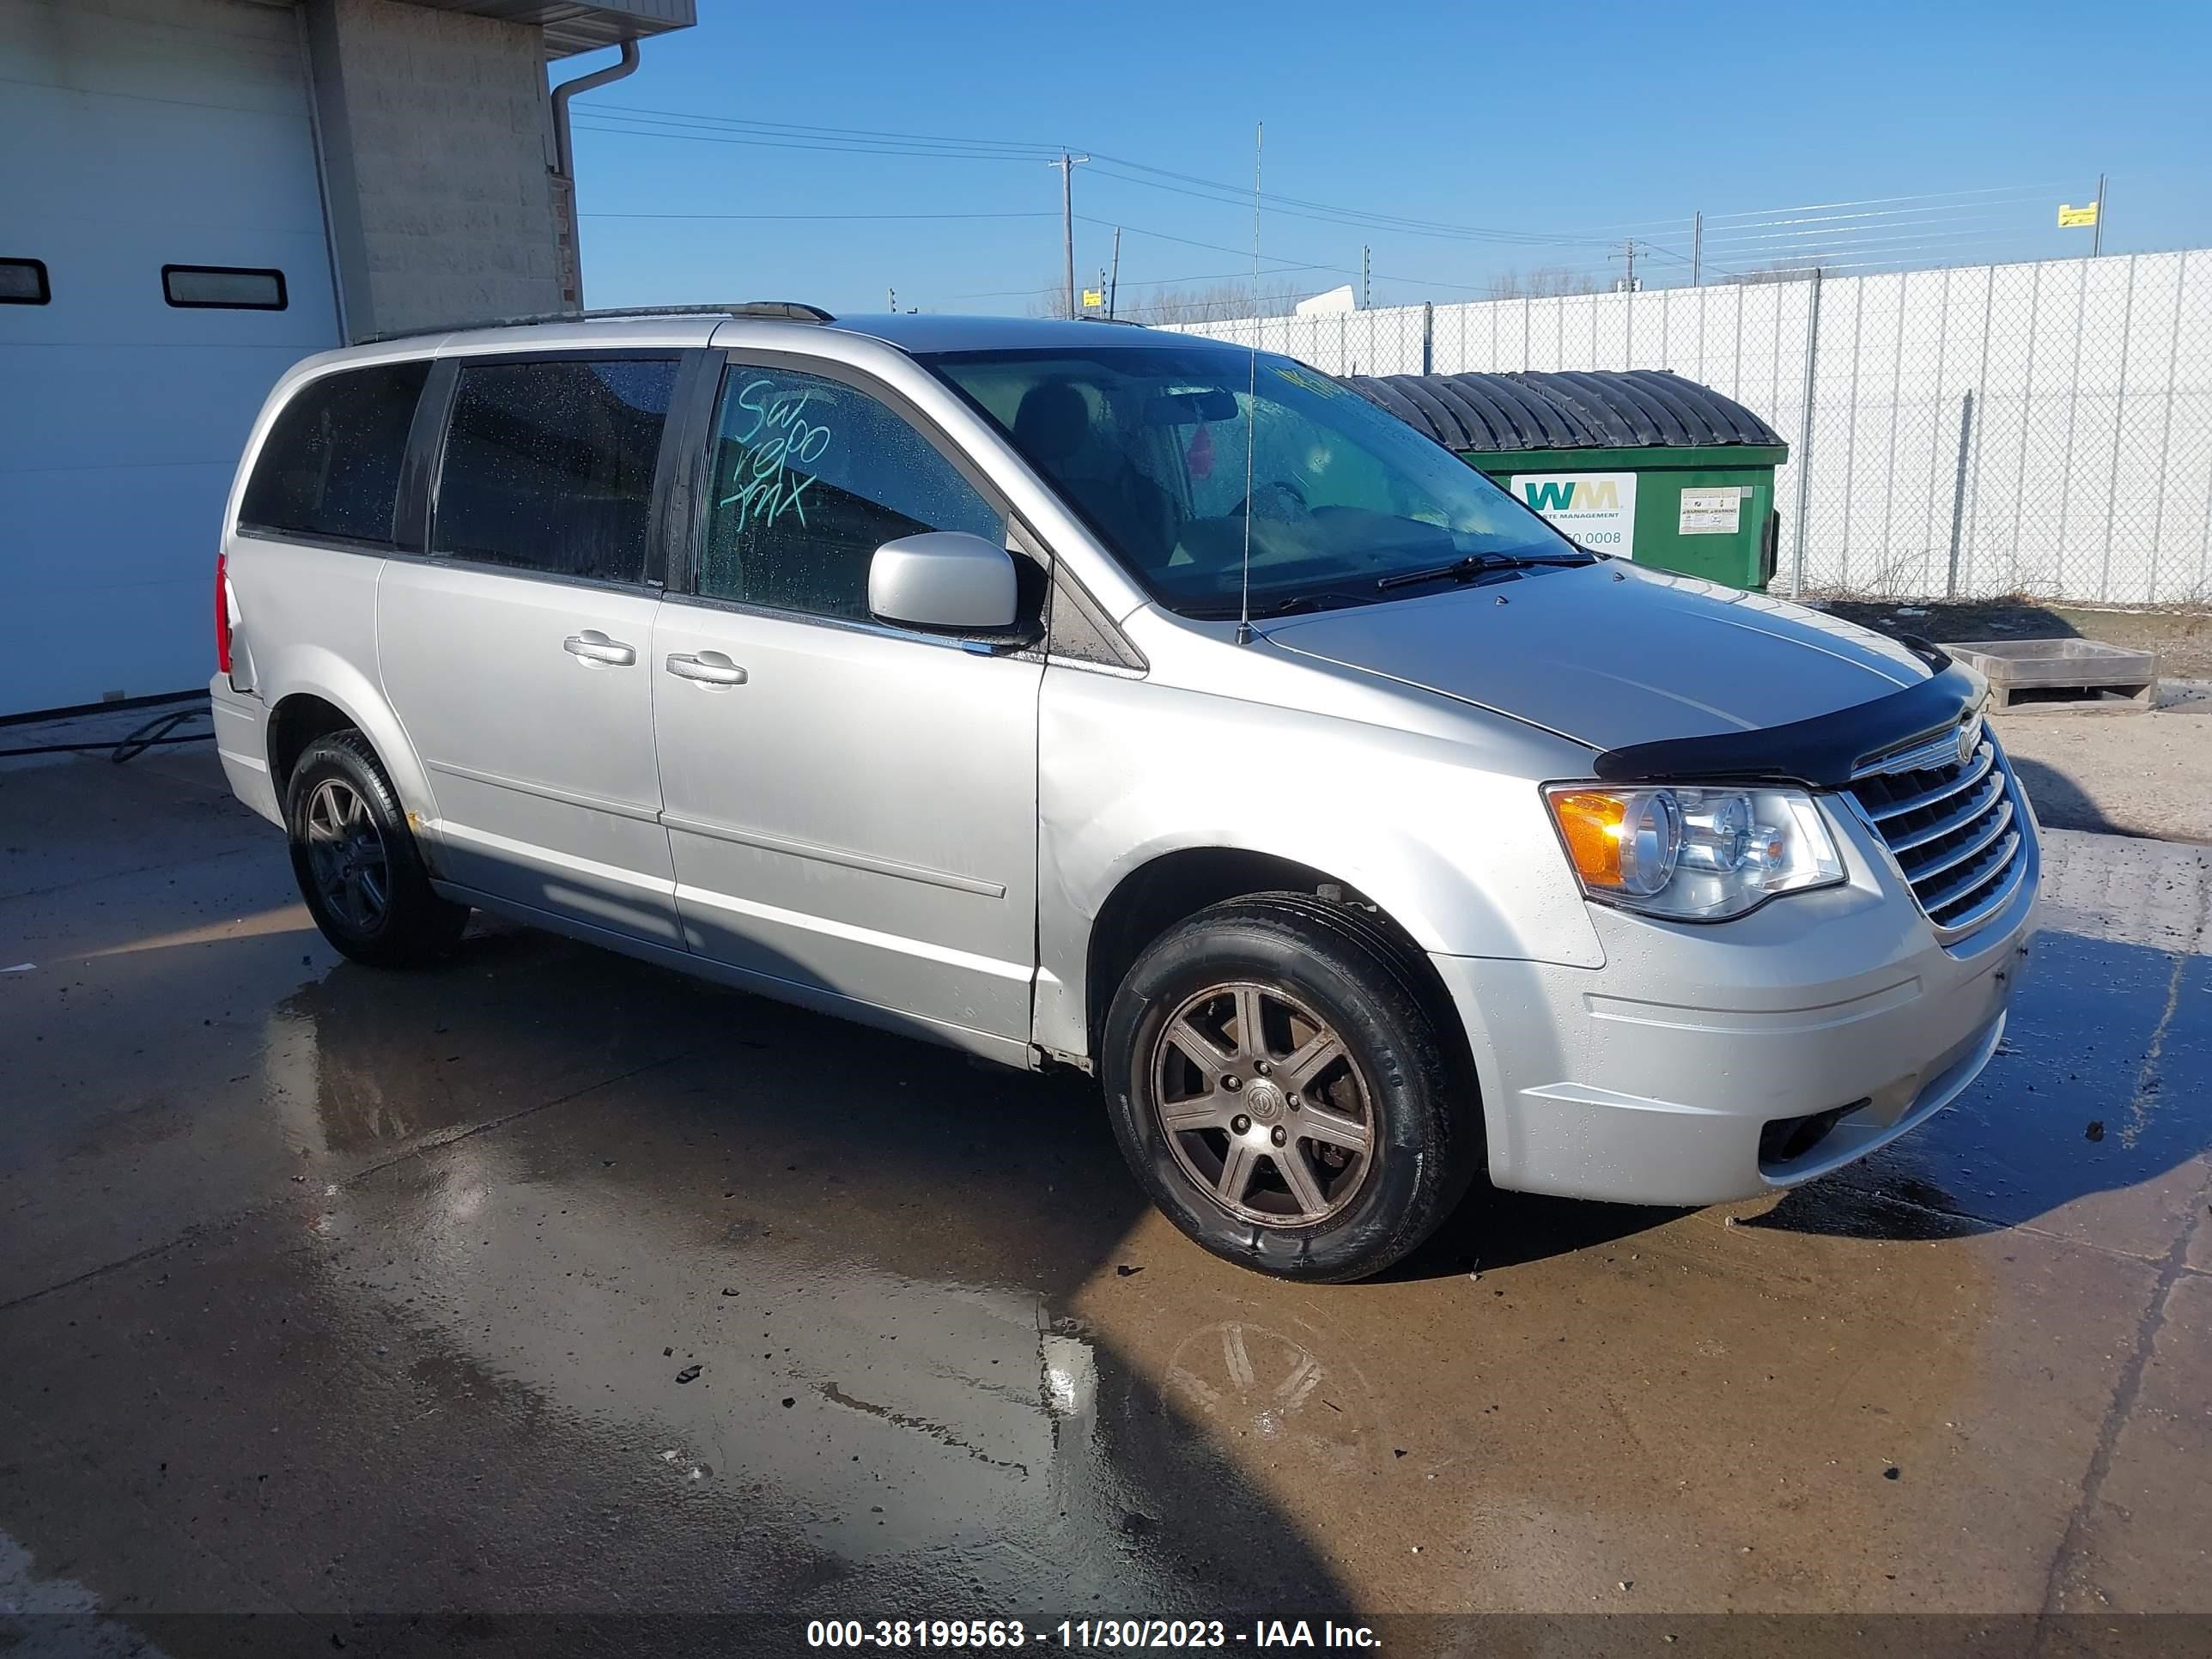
(810, 1285)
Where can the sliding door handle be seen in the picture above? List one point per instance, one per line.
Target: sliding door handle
(707, 668)
(595, 649)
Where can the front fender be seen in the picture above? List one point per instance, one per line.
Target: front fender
(1450, 840)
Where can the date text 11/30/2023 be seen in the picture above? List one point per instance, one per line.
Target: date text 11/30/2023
(1087, 1635)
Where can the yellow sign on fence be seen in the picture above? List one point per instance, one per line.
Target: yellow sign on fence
(2069, 217)
(1092, 296)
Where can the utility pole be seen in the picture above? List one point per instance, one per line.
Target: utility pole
(1697, 251)
(1114, 282)
(1067, 164)
(1364, 296)
(1628, 253)
(2097, 230)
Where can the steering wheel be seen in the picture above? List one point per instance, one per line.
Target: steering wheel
(1291, 499)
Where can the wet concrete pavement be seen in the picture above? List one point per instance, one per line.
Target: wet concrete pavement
(552, 1283)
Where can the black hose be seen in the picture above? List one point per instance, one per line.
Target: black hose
(151, 735)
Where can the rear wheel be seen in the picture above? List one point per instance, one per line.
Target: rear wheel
(356, 861)
(1279, 1087)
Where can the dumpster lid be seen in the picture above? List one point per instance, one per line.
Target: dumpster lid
(1608, 409)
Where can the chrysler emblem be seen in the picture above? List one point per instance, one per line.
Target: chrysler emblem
(1970, 739)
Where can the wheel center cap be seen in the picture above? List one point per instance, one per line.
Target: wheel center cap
(1263, 1101)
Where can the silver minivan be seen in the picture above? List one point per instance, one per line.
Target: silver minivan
(1083, 695)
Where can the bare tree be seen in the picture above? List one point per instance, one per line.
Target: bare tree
(1779, 271)
(1543, 283)
(1216, 302)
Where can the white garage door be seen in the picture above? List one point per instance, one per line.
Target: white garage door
(136, 135)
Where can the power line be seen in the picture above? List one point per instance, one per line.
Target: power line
(1037, 214)
(1339, 270)
(647, 129)
(1156, 282)
(671, 124)
(1872, 201)
(845, 132)
(1894, 226)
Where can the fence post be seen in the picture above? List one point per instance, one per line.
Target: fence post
(1805, 440)
(2165, 426)
(1972, 537)
(2119, 427)
(1959, 492)
(1428, 337)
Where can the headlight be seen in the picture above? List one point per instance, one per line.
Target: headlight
(1694, 855)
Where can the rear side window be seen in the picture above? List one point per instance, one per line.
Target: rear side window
(549, 466)
(331, 464)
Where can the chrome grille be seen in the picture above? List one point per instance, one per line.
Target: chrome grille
(1956, 827)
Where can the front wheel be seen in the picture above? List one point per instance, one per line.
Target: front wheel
(356, 859)
(1279, 1087)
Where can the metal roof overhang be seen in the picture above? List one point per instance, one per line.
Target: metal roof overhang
(571, 27)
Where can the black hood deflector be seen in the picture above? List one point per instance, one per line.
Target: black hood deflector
(1824, 753)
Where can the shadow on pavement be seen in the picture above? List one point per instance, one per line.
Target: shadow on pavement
(2061, 802)
(2042, 1131)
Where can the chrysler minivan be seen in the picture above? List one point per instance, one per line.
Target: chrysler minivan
(1083, 695)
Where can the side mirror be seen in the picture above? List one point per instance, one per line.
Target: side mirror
(945, 581)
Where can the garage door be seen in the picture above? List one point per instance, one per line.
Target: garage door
(136, 135)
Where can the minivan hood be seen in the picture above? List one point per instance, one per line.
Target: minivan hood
(1609, 654)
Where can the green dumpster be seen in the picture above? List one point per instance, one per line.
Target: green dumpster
(1640, 463)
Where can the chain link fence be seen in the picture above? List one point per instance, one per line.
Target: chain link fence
(2041, 431)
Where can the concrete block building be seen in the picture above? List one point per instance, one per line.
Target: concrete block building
(193, 195)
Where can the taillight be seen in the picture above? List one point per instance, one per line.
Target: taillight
(223, 613)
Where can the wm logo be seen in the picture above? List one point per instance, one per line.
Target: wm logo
(1566, 495)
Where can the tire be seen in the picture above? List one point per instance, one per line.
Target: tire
(1317, 970)
(357, 863)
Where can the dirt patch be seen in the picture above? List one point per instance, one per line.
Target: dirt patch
(2182, 636)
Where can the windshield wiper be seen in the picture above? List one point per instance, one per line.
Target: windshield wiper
(1322, 599)
(1476, 564)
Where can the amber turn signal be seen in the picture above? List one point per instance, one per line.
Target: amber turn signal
(1590, 823)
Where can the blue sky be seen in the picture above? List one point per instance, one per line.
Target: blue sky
(1517, 137)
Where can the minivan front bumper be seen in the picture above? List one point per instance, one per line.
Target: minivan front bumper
(1704, 1064)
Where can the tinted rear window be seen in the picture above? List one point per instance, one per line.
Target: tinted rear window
(549, 465)
(331, 466)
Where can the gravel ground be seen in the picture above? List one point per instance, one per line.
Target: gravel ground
(2182, 637)
(2130, 774)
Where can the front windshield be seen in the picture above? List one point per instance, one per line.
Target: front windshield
(1148, 444)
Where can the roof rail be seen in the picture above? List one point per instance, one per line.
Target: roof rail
(788, 311)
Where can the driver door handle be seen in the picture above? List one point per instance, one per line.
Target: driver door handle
(707, 668)
(595, 649)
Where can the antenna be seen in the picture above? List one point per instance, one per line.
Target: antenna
(1251, 397)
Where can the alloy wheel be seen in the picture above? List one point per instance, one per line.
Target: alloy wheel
(1262, 1104)
(346, 852)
